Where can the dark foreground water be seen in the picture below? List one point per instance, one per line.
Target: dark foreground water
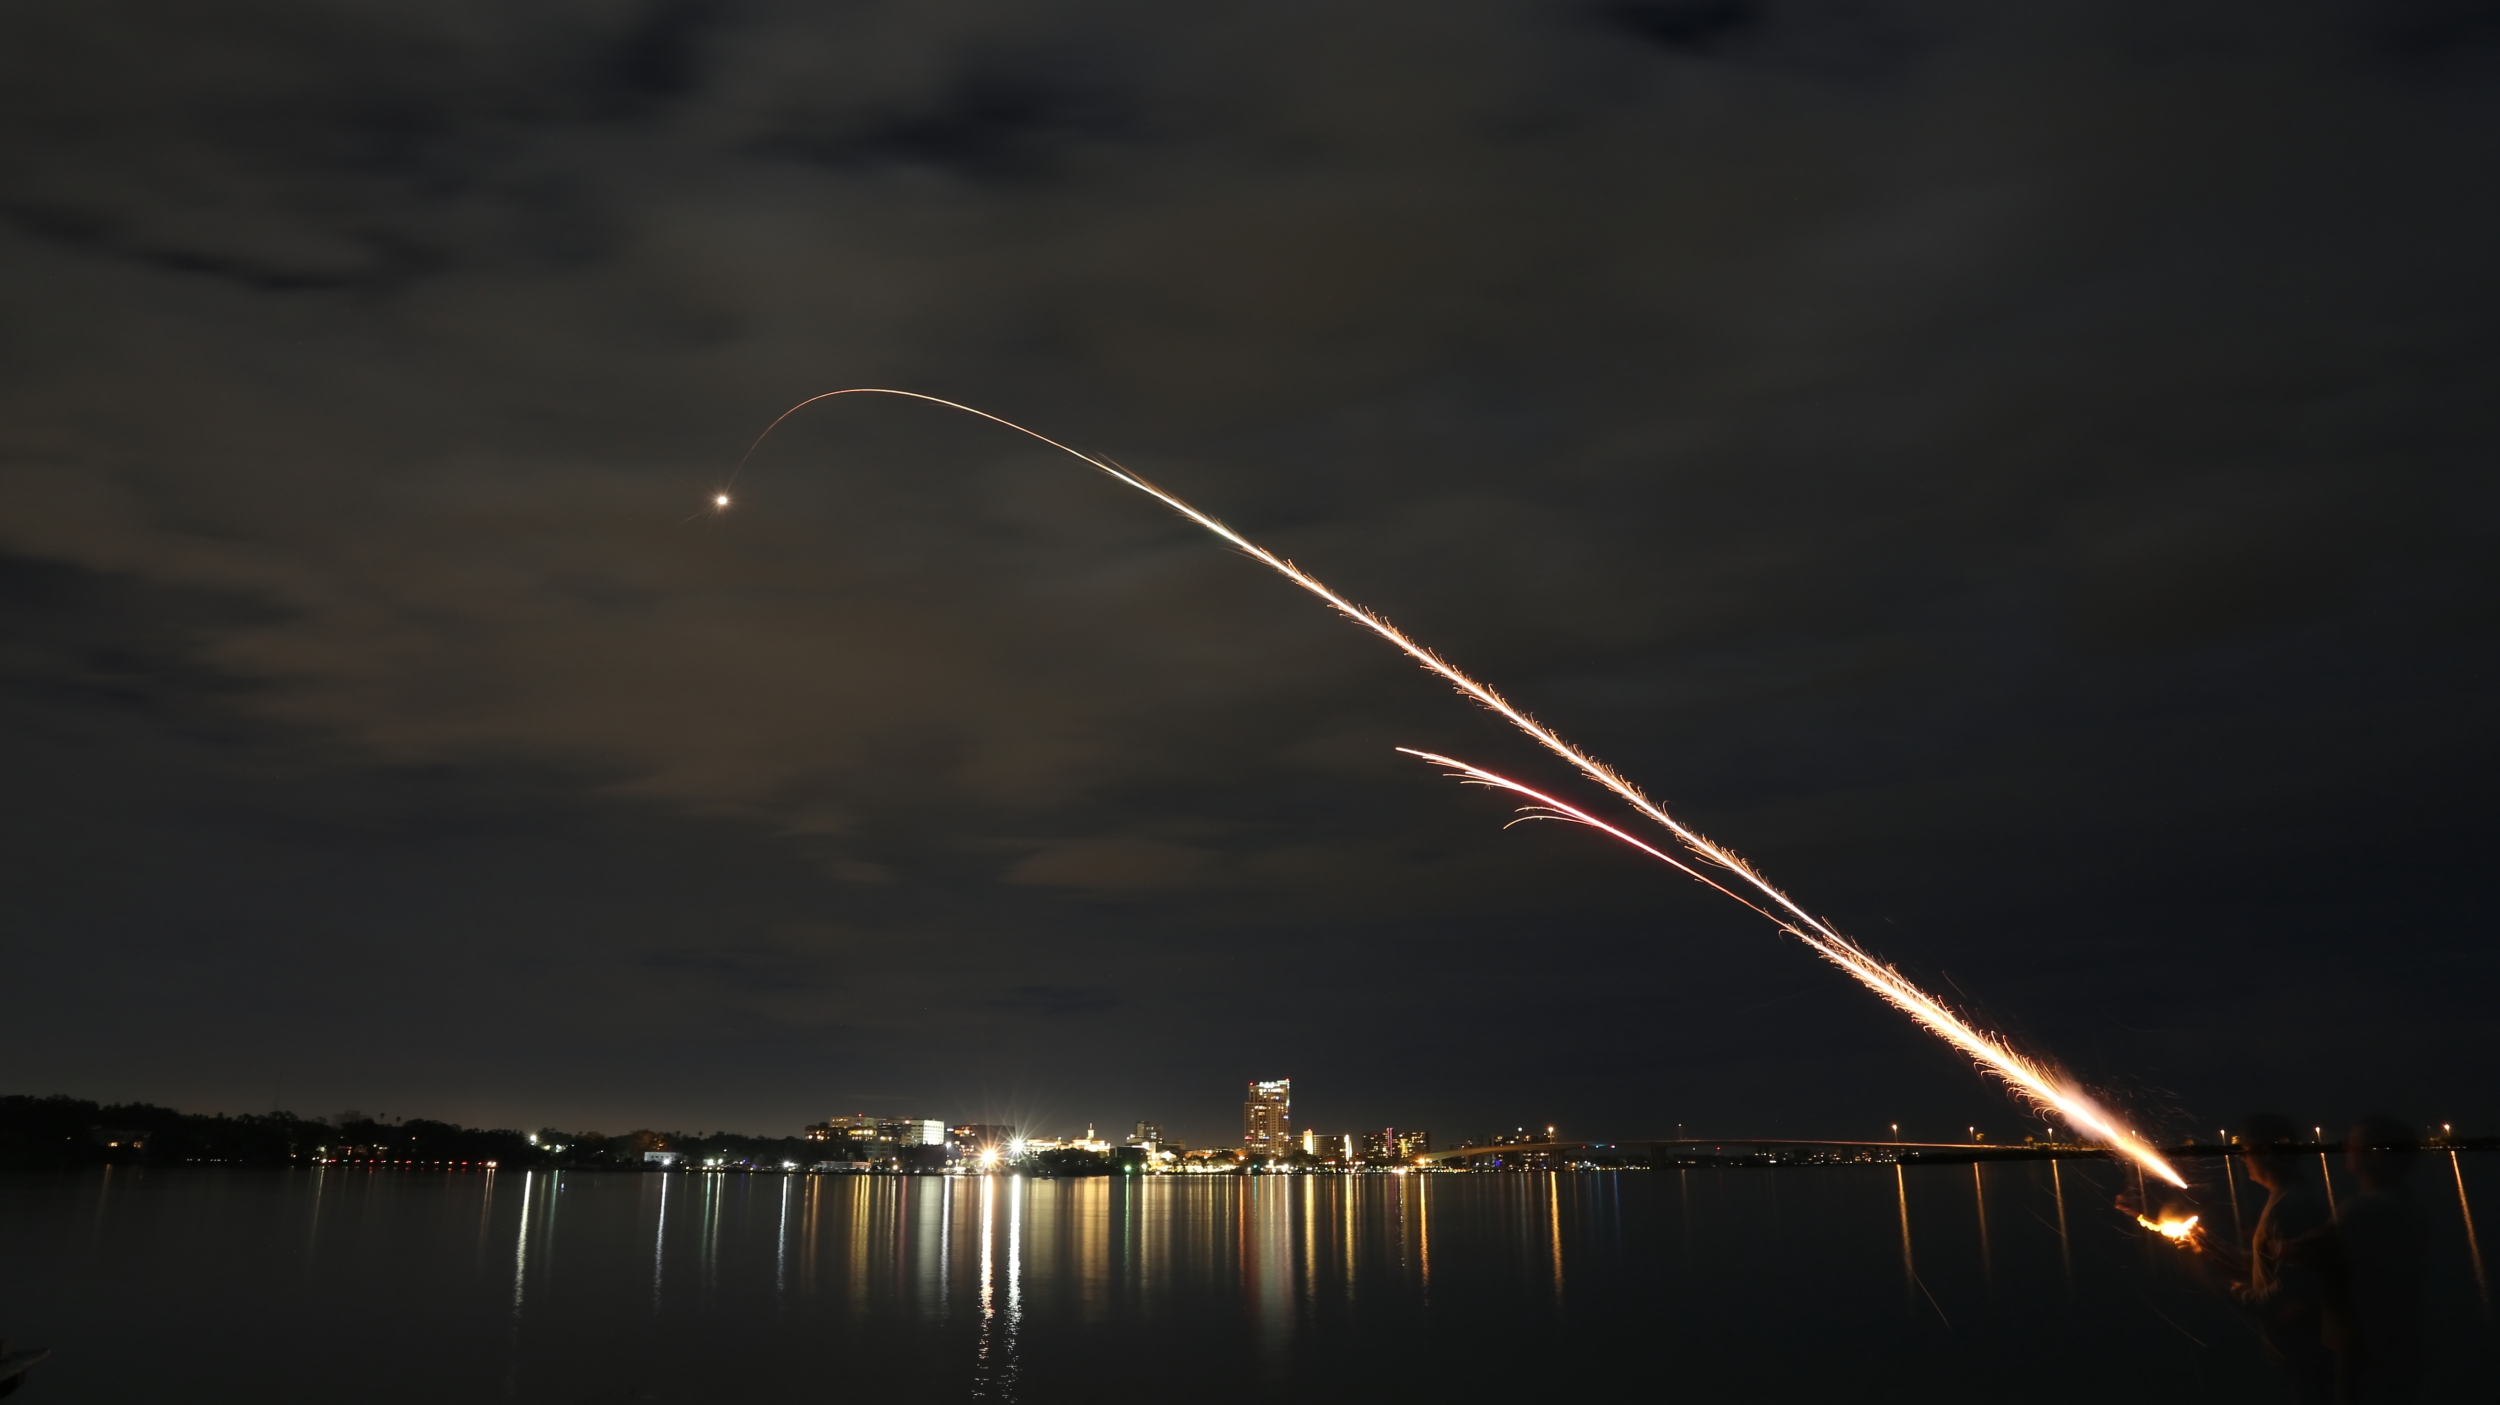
(1870, 1283)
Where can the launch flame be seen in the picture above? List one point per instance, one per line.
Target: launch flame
(2176, 1230)
(2030, 1078)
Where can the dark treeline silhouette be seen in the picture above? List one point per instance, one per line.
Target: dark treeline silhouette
(1071, 1161)
(54, 1132)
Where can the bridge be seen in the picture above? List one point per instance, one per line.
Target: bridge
(1753, 1151)
(1778, 1151)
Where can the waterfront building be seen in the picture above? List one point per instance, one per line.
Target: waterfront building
(1267, 1117)
(858, 1127)
(911, 1131)
(1329, 1146)
(1413, 1144)
(974, 1138)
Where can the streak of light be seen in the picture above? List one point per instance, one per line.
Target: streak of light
(1423, 1233)
(781, 1246)
(1979, 1197)
(2473, 1245)
(1901, 1191)
(1345, 1192)
(1015, 1287)
(2327, 1175)
(2231, 1179)
(1896, 989)
(659, 1243)
(1310, 1238)
(810, 1233)
(1553, 1214)
(547, 1232)
(2020, 1073)
(521, 1245)
(1909, 1265)
(485, 1209)
(981, 1356)
(945, 1244)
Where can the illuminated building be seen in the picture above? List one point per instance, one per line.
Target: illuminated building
(858, 1127)
(911, 1131)
(973, 1138)
(1148, 1134)
(1330, 1146)
(1391, 1144)
(1267, 1118)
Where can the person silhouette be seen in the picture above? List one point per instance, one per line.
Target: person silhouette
(2291, 1276)
(2381, 1234)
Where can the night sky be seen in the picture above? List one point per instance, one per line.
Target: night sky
(2024, 475)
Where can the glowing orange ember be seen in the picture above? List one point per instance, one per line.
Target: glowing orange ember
(2171, 1228)
(2033, 1080)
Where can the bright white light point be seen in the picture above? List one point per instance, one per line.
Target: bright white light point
(720, 500)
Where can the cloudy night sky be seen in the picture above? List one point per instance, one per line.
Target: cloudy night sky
(2023, 475)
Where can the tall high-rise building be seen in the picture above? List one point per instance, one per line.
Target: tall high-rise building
(1149, 1133)
(1267, 1118)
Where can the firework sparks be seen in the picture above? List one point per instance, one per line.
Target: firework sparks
(2177, 1231)
(2021, 1073)
(1992, 1053)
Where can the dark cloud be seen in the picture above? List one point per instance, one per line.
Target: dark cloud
(2023, 477)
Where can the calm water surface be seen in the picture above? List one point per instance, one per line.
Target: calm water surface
(1928, 1283)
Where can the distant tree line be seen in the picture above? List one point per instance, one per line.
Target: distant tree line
(52, 1132)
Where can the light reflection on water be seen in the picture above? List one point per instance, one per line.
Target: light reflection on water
(1888, 1282)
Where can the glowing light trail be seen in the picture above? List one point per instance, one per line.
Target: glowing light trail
(1896, 989)
(2018, 1071)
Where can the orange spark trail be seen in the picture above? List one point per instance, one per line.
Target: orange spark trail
(1806, 927)
(1991, 1052)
